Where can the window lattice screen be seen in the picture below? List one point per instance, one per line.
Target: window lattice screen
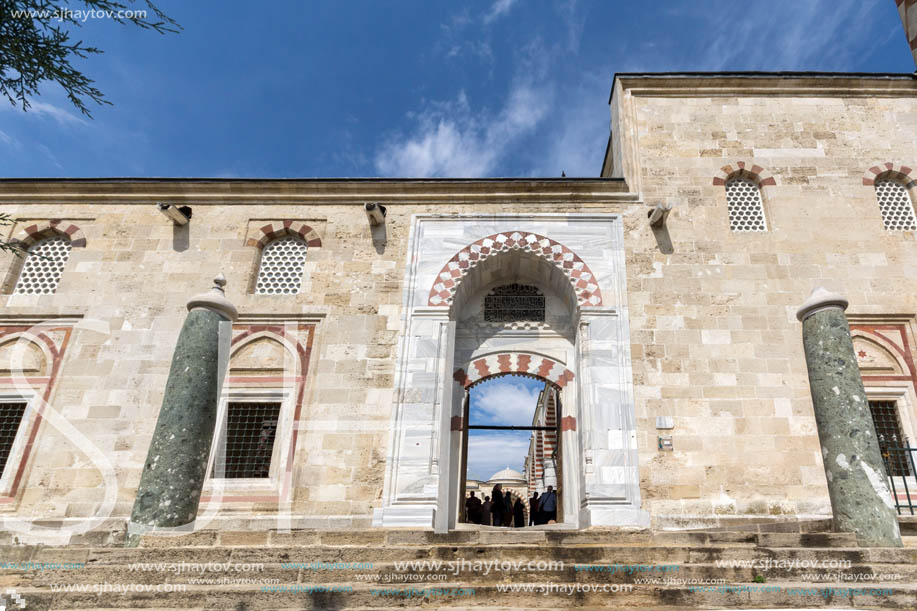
(43, 266)
(282, 262)
(895, 205)
(746, 212)
(10, 418)
(250, 432)
(888, 430)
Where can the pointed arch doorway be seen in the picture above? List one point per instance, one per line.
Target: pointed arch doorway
(545, 456)
(515, 309)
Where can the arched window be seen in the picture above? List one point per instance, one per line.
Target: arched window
(514, 302)
(895, 205)
(44, 263)
(743, 199)
(281, 269)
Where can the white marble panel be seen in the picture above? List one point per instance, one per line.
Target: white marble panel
(600, 469)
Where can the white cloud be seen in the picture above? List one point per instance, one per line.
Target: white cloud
(479, 49)
(574, 22)
(787, 34)
(9, 140)
(452, 141)
(576, 140)
(50, 155)
(57, 113)
(498, 9)
(44, 109)
(505, 401)
(488, 454)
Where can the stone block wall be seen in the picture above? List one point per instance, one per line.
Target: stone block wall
(716, 345)
(713, 337)
(134, 276)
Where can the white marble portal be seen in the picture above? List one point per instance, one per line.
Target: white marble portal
(599, 460)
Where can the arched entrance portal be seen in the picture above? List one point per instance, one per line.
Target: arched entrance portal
(487, 292)
(515, 313)
(516, 417)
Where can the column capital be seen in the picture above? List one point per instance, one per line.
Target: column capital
(820, 299)
(215, 299)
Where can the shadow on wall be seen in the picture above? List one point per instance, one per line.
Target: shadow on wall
(181, 237)
(380, 237)
(663, 241)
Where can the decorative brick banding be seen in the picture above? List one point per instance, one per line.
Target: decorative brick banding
(49, 229)
(529, 365)
(901, 173)
(279, 229)
(574, 268)
(756, 173)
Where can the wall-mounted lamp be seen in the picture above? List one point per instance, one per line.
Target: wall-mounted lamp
(178, 215)
(375, 213)
(659, 214)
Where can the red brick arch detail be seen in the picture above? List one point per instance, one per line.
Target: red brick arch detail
(901, 173)
(36, 232)
(756, 173)
(584, 282)
(517, 363)
(279, 229)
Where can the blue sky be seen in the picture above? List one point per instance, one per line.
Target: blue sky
(434, 88)
(506, 401)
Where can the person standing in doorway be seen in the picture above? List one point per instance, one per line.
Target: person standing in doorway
(533, 510)
(518, 513)
(548, 506)
(496, 505)
(474, 509)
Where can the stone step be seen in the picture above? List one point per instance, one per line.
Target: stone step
(496, 536)
(388, 574)
(490, 536)
(908, 524)
(583, 554)
(762, 596)
(695, 554)
(755, 525)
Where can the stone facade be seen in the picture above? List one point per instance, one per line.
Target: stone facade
(716, 345)
(688, 321)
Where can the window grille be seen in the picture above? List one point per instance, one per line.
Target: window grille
(10, 418)
(743, 198)
(43, 266)
(281, 269)
(895, 205)
(891, 441)
(514, 302)
(250, 432)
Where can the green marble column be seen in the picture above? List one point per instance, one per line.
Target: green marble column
(857, 484)
(173, 474)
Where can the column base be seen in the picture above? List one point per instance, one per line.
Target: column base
(412, 516)
(611, 515)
